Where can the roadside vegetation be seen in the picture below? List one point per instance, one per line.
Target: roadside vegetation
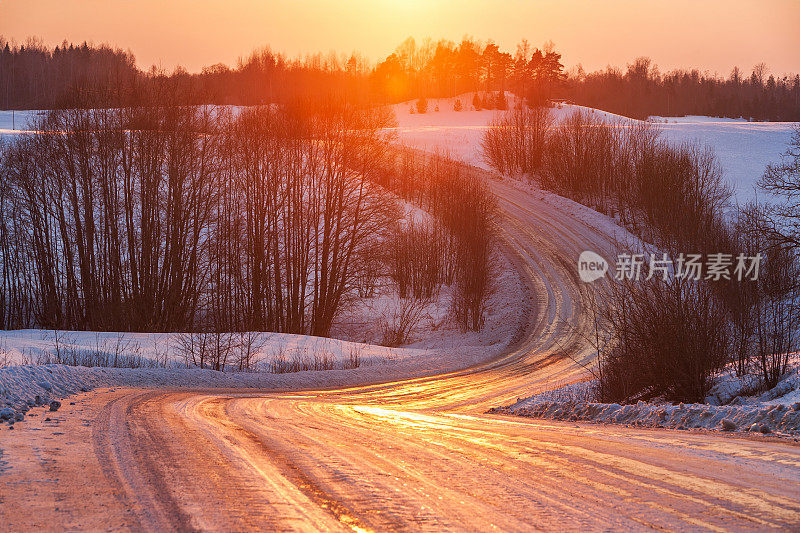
(666, 337)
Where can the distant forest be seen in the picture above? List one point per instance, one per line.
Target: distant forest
(34, 76)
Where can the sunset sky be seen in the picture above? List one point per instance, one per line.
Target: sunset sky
(712, 35)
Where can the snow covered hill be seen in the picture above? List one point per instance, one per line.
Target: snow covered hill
(744, 148)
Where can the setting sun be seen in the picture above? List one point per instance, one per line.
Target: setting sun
(593, 34)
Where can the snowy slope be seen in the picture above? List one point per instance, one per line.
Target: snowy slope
(456, 133)
(744, 148)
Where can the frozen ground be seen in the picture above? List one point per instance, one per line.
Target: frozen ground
(744, 148)
(730, 406)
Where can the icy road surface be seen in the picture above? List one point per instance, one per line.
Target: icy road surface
(418, 454)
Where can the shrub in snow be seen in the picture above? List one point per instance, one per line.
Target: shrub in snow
(422, 105)
(767, 413)
(515, 142)
(674, 336)
(398, 324)
(476, 102)
(457, 106)
(757, 418)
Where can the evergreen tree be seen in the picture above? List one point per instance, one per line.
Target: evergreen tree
(476, 102)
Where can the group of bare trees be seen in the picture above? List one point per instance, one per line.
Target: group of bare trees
(171, 218)
(670, 334)
(166, 217)
(621, 167)
(772, 311)
(515, 141)
(308, 214)
(415, 259)
(110, 219)
(461, 233)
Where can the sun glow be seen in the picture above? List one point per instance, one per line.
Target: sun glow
(595, 34)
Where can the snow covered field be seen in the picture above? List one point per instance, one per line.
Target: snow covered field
(14, 122)
(744, 148)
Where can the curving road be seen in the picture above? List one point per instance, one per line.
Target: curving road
(418, 454)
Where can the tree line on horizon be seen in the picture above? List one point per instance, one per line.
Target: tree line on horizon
(642, 91)
(34, 76)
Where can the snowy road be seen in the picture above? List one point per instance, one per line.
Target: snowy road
(416, 454)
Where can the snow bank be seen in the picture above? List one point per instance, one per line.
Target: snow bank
(779, 419)
(24, 385)
(20, 347)
(774, 411)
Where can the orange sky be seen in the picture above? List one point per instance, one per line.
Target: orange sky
(709, 34)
